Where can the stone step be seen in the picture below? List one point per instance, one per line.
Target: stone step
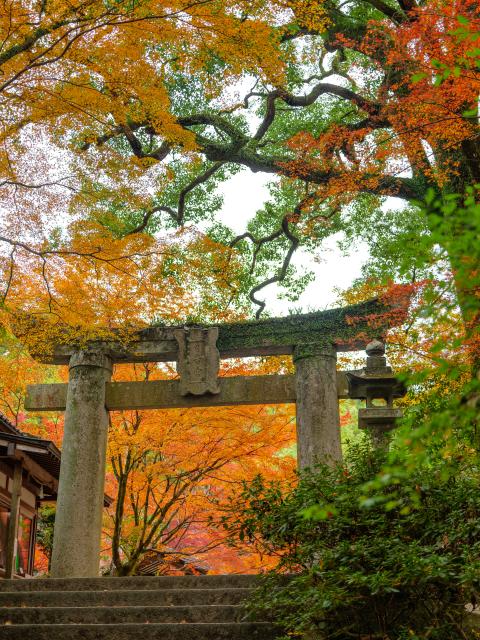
(130, 583)
(116, 615)
(111, 598)
(130, 631)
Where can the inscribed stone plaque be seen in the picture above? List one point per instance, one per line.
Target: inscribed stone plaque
(198, 360)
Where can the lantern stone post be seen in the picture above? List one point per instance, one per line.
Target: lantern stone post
(78, 522)
(378, 386)
(318, 417)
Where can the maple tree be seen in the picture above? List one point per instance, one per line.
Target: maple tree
(171, 473)
(359, 115)
(66, 68)
(348, 104)
(424, 345)
(17, 370)
(68, 298)
(168, 471)
(172, 470)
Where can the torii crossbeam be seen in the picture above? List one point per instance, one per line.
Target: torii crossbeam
(313, 341)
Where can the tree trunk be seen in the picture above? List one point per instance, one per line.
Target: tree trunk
(125, 570)
(119, 513)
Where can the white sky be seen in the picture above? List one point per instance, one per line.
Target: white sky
(243, 194)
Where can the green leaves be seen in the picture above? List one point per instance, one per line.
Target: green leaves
(370, 553)
(418, 76)
(319, 512)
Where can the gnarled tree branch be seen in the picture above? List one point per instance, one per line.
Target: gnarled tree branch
(179, 215)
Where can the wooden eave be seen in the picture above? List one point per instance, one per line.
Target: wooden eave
(40, 458)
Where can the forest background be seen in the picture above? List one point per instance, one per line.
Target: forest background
(121, 121)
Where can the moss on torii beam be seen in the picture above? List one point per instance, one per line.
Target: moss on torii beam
(347, 328)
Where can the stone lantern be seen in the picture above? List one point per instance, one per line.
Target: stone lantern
(377, 385)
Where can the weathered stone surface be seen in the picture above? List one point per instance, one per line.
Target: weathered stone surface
(76, 548)
(130, 583)
(118, 615)
(376, 360)
(377, 385)
(381, 417)
(364, 384)
(131, 631)
(46, 397)
(94, 616)
(198, 360)
(375, 348)
(312, 338)
(161, 608)
(318, 419)
(271, 336)
(134, 598)
(165, 394)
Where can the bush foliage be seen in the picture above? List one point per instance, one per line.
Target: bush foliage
(387, 563)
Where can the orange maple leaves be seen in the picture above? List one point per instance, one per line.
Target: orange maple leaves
(421, 118)
(71, 71)
(438, 74)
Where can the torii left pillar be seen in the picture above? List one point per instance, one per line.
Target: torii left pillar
(78, 522)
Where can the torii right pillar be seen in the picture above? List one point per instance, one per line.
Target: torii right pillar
(318, 416)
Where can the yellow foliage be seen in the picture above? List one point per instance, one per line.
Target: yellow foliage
(310, 14)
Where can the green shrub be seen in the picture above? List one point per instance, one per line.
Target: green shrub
(45, 526)
(397, 562)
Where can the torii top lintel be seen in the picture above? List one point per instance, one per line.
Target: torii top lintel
(347, 328)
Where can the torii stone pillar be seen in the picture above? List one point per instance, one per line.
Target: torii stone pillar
(78, 522)
(318, 417)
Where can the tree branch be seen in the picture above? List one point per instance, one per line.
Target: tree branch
(322, 88)
(179, 215)
(259, 243)
(396, 15)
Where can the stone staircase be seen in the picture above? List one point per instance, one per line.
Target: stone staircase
(147, 608)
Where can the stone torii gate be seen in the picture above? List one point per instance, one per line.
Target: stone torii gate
(312, 339)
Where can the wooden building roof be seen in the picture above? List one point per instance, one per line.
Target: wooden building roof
(41, 458)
